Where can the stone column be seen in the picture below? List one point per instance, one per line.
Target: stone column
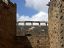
(32, 23)
(25, 23)
(39, 23)
(46, 23)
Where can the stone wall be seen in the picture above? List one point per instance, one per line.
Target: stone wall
(7, 25)
(36, 38)
(56, 24)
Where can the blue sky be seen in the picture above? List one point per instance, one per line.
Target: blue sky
(31, 9)
(22, 9)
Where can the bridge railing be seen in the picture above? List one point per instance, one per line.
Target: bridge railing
(32, 22)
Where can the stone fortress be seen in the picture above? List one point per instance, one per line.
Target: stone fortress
(52, 36)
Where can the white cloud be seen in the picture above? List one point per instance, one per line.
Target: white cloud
(24, 18)
(41, 16)
(37, 4)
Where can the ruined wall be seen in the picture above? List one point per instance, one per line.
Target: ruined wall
(56, 21)
(7, 25)
(36, 38)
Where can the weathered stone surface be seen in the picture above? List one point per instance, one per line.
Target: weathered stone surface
(56, 24)
(7, 25)
(36, 38)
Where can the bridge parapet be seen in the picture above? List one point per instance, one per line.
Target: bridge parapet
(39, 22)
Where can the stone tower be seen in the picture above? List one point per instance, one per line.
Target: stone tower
(56, 23)
(7, 24)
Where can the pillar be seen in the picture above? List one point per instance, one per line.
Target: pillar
(39, 23)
